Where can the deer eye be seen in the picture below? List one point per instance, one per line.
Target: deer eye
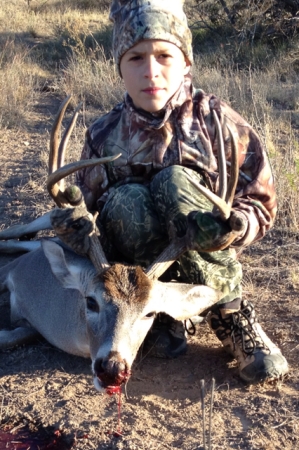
(92, 305)
(150, 315)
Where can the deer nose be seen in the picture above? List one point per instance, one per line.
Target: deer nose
(111, 371)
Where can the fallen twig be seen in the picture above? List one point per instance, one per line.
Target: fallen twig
(202, 393)
(211, 411)
(202, 396)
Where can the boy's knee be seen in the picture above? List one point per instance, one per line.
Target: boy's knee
(174, 176)
(126, 198)
(130, 209)
(171, 173)
(172, 191)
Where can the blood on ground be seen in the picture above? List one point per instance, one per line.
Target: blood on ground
(24, 436)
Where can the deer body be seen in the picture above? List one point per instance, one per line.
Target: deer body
(105, 317)
(38, 299)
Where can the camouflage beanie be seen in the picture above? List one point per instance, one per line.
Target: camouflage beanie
(135, 20)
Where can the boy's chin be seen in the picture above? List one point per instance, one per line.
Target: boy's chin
(152, 108)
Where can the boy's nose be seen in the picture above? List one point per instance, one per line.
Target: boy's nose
(151, 68)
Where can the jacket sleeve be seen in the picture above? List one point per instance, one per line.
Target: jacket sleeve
(255, 195)
(93, 181)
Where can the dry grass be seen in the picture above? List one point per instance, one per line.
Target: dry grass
(91, 77)
(45, 42)
(19, 81)
(49, 17)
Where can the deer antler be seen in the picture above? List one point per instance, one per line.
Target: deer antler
(72, 196)
(222, 205)
(76, 226)
(223, 201)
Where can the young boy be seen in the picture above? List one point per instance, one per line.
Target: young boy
(165, 132)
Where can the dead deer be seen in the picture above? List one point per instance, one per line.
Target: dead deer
(74, 298)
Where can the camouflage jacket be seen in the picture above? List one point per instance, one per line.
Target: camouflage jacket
(184, 133)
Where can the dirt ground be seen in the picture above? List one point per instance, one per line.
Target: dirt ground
(47, 395)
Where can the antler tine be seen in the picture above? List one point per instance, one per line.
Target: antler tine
(234, 170)
(221, 204)
(65, 139)
(221, 159)
(54, 178)
(97, 255)
(224, 200)
(72, 196)
(57, 173)
(55, 135)
(174, 250)
(57, 155)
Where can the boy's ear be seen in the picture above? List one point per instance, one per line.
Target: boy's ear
(187, 66)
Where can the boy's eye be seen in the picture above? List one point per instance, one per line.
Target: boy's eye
(164, 58)
(135, 58)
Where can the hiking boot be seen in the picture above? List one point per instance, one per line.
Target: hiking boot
(166, 338)
(259, 359)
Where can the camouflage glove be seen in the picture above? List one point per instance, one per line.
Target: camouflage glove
(74, 226)
(207, 233)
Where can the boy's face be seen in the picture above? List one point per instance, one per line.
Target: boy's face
(152, 71)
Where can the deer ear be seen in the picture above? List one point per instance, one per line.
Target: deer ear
(65, 273)
(182, 301)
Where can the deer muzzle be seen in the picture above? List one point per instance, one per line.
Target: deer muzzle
(111, 371)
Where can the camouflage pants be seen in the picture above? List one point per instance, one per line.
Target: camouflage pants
(136, 219)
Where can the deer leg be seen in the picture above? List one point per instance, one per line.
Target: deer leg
(18, 231)
(14, 246)
(18, 336)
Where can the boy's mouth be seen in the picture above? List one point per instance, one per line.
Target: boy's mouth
(152, 90)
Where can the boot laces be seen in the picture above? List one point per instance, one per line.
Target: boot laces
(240, 326)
